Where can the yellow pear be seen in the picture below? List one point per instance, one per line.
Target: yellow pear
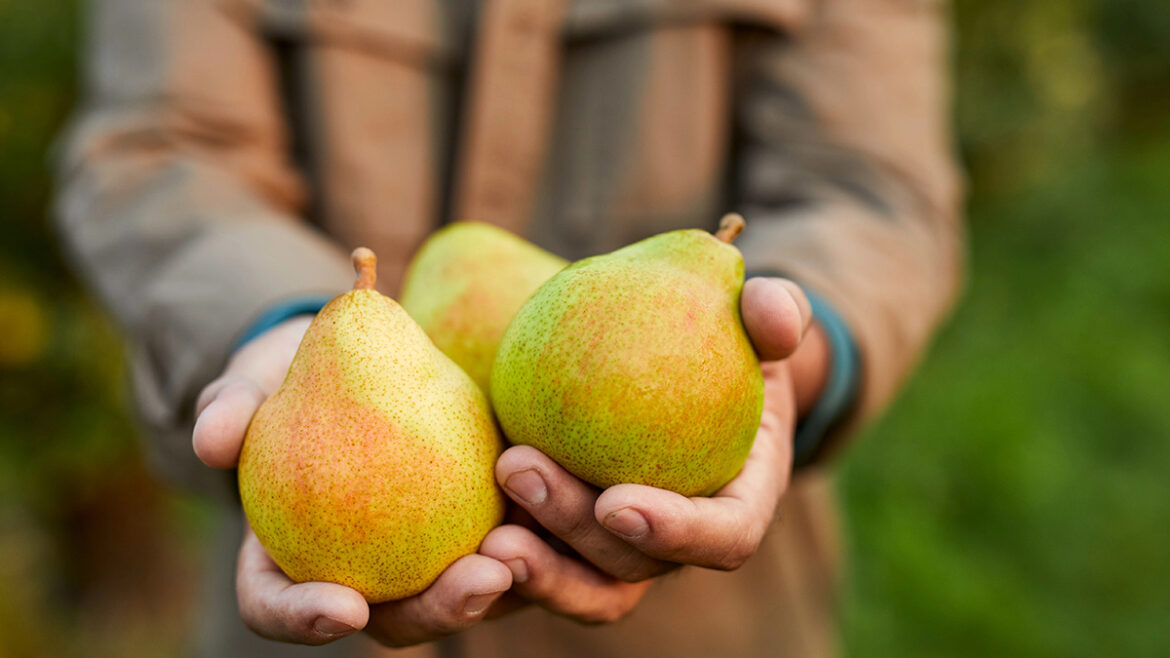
(466, 283)
(372, 465)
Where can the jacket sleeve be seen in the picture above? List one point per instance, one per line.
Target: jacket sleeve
(846, 177)
(177, 202)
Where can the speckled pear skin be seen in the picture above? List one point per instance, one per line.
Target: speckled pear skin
(465, 284)
(372, 465)
(635, 367)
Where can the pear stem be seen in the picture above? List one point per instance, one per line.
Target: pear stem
(365, 263)
(730, 226)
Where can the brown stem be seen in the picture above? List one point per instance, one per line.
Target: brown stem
(730, 226)
(365, 263)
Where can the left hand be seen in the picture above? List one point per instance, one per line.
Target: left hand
(627, 534)
(316, 613)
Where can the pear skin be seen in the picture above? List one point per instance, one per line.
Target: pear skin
(634, 366)
(465, 284)
(373, 464)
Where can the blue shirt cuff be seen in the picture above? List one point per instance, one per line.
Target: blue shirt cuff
(281, 312)
(841, 386)
(840, 391)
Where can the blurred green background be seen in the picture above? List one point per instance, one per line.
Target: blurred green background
(1014, 502)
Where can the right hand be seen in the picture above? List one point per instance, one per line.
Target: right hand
(270, 603)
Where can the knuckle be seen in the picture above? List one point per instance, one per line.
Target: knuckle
(390, 640)
(738, 552)
(261, 620)
(671, 539)
(441, 619)
(247, 606)
(243, 388)
(575, 525)
(621, 601)
(207, 394)
(603, 615)
(430, 621)
(632, 577)
(731, 561)
(385, 637)
(251, 622)
(636, 568)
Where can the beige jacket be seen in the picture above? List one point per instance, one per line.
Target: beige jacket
(228, 154)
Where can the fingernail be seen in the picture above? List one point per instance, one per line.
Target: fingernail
(627, 523)
(331, 627)
(528, 486)
(519, 570)
(477, 603)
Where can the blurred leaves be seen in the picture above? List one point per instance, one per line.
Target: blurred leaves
(1013, 501)
(87, 539)
(24, 327)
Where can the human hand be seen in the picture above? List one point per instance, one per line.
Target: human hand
(627, 534)
(270, 603)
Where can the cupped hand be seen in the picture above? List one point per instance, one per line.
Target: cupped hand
(270, 603)
(624, 536)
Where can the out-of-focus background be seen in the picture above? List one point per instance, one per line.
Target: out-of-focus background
(1014, 502)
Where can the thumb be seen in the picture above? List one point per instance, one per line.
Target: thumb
(776, 314)
(226, 405)
(224, 410)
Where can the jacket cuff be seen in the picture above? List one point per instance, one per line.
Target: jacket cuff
(841, 386)
(840, 391)
(309, 305)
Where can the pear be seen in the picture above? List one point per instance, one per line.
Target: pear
(634, 366)
(372, 465)
(465, 284)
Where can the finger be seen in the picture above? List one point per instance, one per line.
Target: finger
(306, 613)
(776, 314)
(210, 392)
(220, 427)
(564, 505)
(559, 583)
(720, 532)
(457, 600)
(508, 603)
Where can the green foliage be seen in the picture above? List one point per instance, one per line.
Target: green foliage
(68, 452)
(1012, 503)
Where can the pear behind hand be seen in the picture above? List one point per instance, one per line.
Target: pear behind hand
(466, 283)
(635, 367)
(372, 465)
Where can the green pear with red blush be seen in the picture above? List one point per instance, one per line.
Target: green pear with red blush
(372, 465)
(634, 366)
